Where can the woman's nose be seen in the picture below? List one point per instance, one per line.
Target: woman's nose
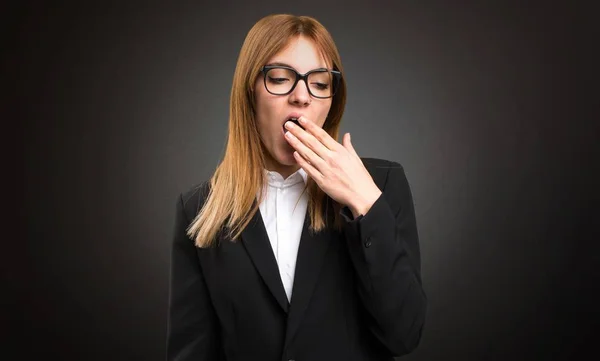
(300, 94)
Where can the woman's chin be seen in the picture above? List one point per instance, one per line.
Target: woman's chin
(288, 159)
(286, 156)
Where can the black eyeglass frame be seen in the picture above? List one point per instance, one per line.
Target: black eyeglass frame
(337, 76)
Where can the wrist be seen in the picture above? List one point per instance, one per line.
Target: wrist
(362, 205)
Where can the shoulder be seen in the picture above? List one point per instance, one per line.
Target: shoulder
(381, 169)
(379, 164)
(391, 178)
(193, 197)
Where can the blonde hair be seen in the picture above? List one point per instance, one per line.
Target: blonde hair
(240, 175)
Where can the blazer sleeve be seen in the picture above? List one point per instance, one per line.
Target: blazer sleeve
(192, 332)
(384, 247)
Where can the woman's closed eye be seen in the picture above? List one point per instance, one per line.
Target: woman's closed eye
(321, 86)
(278, 80)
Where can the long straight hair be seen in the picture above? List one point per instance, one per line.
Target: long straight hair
(230, 202)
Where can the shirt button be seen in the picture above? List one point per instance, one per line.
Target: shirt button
(368, 242)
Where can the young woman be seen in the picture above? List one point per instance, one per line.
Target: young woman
(296, 248)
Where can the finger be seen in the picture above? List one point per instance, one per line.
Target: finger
(319, 133)
(308, 140)
(312, 171)
(307, 153)
(347, 143)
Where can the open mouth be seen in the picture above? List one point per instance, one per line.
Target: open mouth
(294, 120)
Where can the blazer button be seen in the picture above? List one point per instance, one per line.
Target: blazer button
(368, 242)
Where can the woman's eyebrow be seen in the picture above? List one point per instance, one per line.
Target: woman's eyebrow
(277, 63)
(281, 64)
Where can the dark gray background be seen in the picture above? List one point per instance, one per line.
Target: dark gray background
(487, 107)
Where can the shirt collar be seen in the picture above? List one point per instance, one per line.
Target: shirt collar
(275, 179)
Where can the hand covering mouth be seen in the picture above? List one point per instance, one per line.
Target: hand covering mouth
(294, 120)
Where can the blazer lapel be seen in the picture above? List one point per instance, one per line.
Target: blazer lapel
(311, 255)
(256, 241)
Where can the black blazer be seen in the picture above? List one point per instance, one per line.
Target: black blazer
(357, 294)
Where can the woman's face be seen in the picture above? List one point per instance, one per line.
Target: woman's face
(272, 111)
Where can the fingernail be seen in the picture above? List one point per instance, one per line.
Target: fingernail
(302, 120)
(289, 124)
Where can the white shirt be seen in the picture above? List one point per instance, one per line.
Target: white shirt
(283, 222)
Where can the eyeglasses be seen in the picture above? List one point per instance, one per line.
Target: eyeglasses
(282, 80)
